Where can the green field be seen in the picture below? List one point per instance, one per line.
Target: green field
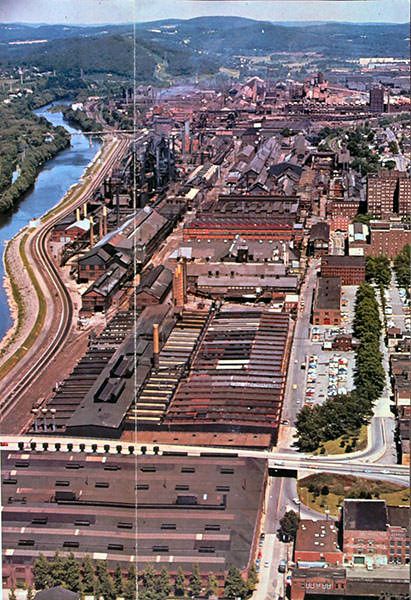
(347, 486)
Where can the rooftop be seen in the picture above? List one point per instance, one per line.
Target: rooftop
(364, 515)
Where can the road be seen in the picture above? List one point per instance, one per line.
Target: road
(301, 347)
(59, 311)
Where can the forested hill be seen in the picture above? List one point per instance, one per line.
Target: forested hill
(188, 47)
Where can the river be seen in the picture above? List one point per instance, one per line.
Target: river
(54, 180)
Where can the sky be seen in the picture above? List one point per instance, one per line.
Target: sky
(122, 11)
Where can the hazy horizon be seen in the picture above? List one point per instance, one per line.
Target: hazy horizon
(113, 12)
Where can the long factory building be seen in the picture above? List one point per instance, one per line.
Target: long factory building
(190, 510)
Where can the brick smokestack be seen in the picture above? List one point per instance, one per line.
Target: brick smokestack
(156, 345)
(179, 285)
(91, 232)
(104, 220)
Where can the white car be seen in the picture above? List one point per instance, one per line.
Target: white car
(296, 501)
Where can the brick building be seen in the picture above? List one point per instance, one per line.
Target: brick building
(327, 301)
(388, 237)
(319, 239)
(351, 269)
(317, 542)
(365, 532)
(388, 193)
(374, 533)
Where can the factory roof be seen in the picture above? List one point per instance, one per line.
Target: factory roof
(236, 380)
(317, 536)
(364, 515)
(328, 293)
(190, 510)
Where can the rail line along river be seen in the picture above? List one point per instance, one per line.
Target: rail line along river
(54, 180)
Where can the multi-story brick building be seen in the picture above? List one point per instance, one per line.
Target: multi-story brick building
(388, 193)
(317, 541)
(374, 534)
(388, 237)
(327, 301)
(365, 532)
(351, 269)
(377, 99)
(372, 560)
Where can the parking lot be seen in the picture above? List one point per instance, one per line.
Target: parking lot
(327, 372)
(397, 311)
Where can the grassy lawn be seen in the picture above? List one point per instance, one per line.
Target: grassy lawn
(339, 445)
(343, 486)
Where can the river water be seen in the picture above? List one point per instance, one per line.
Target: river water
(54, 180)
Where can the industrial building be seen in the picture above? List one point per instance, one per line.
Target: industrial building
(350, 269)
(190, 510)
(327, 302)
(237, 379)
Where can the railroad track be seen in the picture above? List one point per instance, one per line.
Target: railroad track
(38, 247)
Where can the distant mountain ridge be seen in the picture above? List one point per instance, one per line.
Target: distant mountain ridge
(193, 46)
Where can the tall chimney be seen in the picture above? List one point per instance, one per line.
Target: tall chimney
(156, 345)
(179, 286)
(78, 214)
(91, 232)
(104, 220)
(85, 209)
(100, 227)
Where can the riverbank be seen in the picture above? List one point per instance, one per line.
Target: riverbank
(24, 294)
(56, 181)
(37, 142)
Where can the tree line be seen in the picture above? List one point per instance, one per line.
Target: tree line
(27, 141)
(94, 577)
(342, 414)
(86, 577)
(79, 117)
(402, 267)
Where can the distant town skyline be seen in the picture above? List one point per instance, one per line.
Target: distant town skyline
(78, 12)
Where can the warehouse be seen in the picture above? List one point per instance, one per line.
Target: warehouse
(236, 382)
(190, 510)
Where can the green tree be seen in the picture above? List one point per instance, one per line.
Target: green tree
(30, 593)
(252, 579)
(72, 577)
(402, 267)
(105, 584)
(147, 589)
(163, 587)
(118, 580)
(129, 590)
(212, 585)
(12, 594)
(58, 570)
(179, 583)
(41, 573)
(88, 576)
(195, 582)
(325, 490)
(289, 524)
(234, 585)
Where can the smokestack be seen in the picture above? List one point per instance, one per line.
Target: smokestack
(179, 286)
(100, 228)
(91, 232)
(85, 209)
(78, 214)
(104, 220)
(158, 176)
(156, 345)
